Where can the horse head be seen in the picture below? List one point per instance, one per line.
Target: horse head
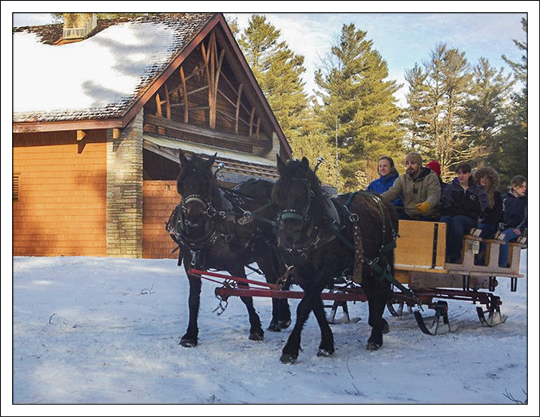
(296, 194)
(197, 185)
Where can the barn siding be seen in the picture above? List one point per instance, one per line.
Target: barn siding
(159, 200)
(62, 190)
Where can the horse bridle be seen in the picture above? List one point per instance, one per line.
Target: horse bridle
(302, 214)
(208, 207)
(314, 240)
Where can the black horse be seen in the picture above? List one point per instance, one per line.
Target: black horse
(225, 230)
(327, 238)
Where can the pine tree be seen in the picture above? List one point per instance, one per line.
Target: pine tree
(358, 106)
(510, 156)
(436, 98)
(484, 111)
(278, 71)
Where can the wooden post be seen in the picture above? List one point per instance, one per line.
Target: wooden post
(238, 105)
(251, 122)
(183, 78)
(168, 102)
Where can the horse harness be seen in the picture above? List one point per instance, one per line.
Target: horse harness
(177, 226)
(336, 225)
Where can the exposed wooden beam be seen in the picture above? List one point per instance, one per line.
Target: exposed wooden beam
(204, 132)
(168, 99)
(251, 117)
(239, 65)
(158, 105)
(183, 78)
(29, 127)
(238, 105)
(198, 90)
(226, 98)
(116, 133)
(154, 87)
(80, 134)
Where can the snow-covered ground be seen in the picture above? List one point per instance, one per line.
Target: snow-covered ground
(90, 330)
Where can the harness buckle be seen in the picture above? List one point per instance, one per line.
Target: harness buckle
(354, 217)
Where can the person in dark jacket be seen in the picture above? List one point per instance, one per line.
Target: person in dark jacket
(514, 215)
(388, 175)
(462, 204)
(489, 220)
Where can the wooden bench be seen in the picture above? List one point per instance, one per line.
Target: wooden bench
(421, 251)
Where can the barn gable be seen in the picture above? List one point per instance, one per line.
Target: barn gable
(134, 91)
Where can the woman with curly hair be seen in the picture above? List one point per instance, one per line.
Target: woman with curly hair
(489, 220)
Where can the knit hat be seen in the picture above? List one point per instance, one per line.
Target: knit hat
(414, 157)
(435, 167)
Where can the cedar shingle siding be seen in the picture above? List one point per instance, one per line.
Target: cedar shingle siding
(62, 189)
(160, 199)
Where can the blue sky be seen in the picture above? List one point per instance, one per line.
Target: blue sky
(402, 39)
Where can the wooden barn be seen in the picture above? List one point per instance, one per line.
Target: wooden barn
(101, 110)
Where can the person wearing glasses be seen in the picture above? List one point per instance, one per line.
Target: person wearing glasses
(419, 189)
(514, 215)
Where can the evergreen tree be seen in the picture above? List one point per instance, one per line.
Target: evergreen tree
(436, 104)
(357, 107)
(510, 155)
(278, 71)
(484, 111)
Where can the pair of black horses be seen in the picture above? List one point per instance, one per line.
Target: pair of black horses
(288, 223)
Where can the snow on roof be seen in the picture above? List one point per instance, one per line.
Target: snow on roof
(99, 77)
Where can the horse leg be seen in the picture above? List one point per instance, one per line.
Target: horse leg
(255, 332)
(292, 347)
(281, 313)
(326, 348)
(190, 339)
(377, 294)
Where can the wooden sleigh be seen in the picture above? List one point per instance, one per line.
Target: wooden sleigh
(420, 266)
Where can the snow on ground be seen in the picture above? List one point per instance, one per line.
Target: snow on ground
(90, 330)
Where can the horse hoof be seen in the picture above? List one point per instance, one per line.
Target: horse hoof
(386, 327)
(373, 346)
(283, 324)
(324, 353)
(274, 327)
(188, 343)
(257, 336)
(288, 358)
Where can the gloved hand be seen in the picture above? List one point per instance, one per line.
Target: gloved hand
(422, 208)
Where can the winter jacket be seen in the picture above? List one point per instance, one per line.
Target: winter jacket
(456, 201)
(515, 211)
(413, 191)
(382, 184)
(492, 215)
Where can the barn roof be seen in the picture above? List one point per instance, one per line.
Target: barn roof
(103, 75)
